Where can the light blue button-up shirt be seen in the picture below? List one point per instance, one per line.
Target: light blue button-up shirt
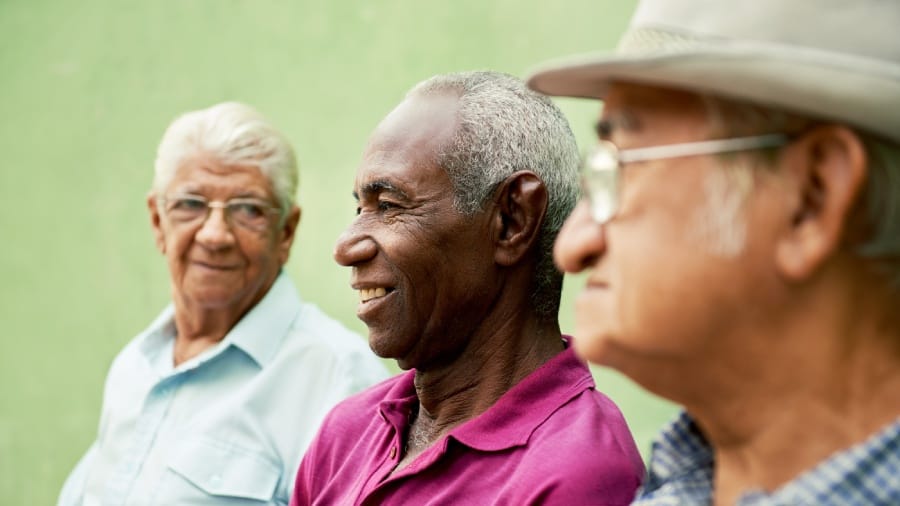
(228, 426)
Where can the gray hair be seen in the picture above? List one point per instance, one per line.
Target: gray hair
(503, 127)
(235, 134)
(876, 218)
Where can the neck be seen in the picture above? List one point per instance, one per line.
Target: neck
(829, 379)
(769, 442)
(200, 328)
(497, 358)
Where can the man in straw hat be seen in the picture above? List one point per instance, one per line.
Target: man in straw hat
(741, 232)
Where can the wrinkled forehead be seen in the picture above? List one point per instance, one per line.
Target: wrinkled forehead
(406, 145)
(204, 173)
(400, 172)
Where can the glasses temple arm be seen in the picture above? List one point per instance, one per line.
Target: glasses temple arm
(709, 147)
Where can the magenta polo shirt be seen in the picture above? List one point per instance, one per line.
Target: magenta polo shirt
(551, 439)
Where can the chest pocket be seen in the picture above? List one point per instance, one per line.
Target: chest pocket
(224, 470)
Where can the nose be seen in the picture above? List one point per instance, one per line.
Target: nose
(581, 242)
(353, 246)
(215, 233)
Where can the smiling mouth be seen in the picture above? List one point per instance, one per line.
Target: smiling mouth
(367, 294)
(216, 267)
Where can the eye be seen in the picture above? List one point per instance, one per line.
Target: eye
(247, 209)
(384, 205)
(188, 204)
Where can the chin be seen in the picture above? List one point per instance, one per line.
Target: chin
(384, 346)
(593, 348)
(213, 299)
(380, 345)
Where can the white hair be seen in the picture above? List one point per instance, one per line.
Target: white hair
(503, 127)
(719, 223)
(235, 134)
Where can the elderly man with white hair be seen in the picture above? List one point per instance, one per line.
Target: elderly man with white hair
(216, 401)
(740, 230)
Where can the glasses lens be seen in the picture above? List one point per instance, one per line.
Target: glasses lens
(249, 213)
(186, 209)
(600, 179)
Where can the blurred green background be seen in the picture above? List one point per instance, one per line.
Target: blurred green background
(86, 90)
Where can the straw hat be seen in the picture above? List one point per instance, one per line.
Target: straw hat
(830, 59)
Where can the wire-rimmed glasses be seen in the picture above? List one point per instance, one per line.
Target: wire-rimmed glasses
(248, 212)
(600, 177)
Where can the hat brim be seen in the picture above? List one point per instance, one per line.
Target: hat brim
(820, 84)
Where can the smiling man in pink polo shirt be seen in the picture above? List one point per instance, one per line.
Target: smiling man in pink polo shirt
(461, 192)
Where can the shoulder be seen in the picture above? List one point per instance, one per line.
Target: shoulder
(313, 327)
(283, 311)
(124, 360)
(359, 407)
(358, 414)
(592, 422)
(324, 344)
(585, 451)
(132, 358)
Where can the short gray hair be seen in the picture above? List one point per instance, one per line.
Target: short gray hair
(877, 213)
(503, 127)
(235, 134)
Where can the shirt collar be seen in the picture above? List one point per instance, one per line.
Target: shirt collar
(680, 447)
(399, 401)
(515, 415)
(866, 473)
(682, 466)
(520, 411)
(258, 334)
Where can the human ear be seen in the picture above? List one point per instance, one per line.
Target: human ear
(156, 223)
(521, 205)
(288, 231)
(826, 168)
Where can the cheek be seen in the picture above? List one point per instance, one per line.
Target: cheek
(260, 251)
(656, 277)
(176, 246)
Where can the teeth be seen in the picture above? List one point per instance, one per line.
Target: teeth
(367, 294)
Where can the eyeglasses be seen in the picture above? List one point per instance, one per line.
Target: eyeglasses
(249, 213)
(601, 172)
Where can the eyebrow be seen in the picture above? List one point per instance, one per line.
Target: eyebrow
(248, 195)
(199, 190)
(379, 186)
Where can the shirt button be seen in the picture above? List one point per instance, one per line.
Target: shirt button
(393, 452)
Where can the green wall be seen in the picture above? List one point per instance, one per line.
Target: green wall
(86, 89)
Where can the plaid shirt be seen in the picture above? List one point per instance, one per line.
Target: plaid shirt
(681, 473)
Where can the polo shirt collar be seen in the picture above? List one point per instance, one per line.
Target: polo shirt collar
(527, 405)
(516, 414)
